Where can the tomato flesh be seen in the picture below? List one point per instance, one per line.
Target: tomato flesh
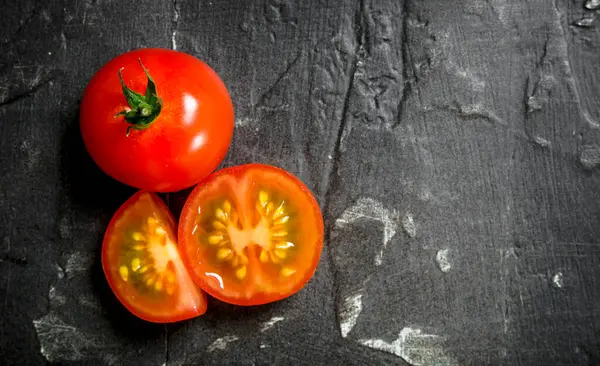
(184, 144)
(251, 234)
(142, 265)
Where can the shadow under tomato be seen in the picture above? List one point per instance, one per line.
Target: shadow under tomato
(90, 195)
(176, 200)
(83, 183)
(224, 312)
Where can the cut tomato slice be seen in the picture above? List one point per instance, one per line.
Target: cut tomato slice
(251, 234)
(142, 264)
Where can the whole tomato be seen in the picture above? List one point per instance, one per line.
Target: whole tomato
(157, 119)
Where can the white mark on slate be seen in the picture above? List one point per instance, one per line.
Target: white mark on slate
(63, 41)
(262, 346)
(409, 225)
(60, 272)
(60, 341)
(78, 262)
(585, 22)
(175, 20)
(534, 104)
(541, 141)
(270, 323)
(425, 195)
(351, 309)
(243, 122)
(374, 210)
(415, 347)
(557, 280)
(221, 343)
(476, 83)
(442, 260)
(589, 157)
(499, 7)
(55, 298)
(592, 4)
(477, 110)
(46, 16)
(32, 153)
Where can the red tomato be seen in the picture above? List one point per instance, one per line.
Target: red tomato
(164, 139)
(142, 264)
(251, 234)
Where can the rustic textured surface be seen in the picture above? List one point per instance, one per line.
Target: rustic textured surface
(454, 147)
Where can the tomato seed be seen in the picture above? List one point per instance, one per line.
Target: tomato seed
(224, 254)
(287, 271)
(241, 272)
(124, 272)
(135, 264)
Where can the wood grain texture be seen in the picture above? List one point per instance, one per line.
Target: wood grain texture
(454, 150)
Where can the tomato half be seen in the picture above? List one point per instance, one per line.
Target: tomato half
(142, 264)
(157, 119)
(251, 234)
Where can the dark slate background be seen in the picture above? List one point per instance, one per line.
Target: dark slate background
(454, 146)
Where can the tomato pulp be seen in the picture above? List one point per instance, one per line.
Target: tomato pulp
(164, 139)
(142, 265)
(251, 234)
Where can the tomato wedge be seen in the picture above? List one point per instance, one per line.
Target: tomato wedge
(142, 264)
(251, 234)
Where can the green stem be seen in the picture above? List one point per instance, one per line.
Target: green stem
(143, 109)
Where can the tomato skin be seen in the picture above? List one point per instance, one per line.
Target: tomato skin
(184, 144)
(190, 301)
(188, 223)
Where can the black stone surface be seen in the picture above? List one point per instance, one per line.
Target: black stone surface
(454, 147)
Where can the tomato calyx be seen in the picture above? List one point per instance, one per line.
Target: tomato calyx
(143, 108)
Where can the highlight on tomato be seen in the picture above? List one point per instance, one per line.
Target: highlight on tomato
(157, 119)
(251, 234)
(142, 264)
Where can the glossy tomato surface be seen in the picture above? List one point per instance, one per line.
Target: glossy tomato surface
(251, 234)
(185, 143)
(142, 264)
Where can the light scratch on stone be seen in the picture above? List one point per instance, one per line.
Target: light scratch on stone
(63, 41)
(270, 323)
(221, 343)
(78, 262)
(541, 141)
(409, 225)
(60, 341)
(351, 309)
(243, 121)
(58, 338)
(175, 24)
(590, 157)
(557, 280)
(415, 347)
(374, 210)
(442, 260)
(55, 298)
